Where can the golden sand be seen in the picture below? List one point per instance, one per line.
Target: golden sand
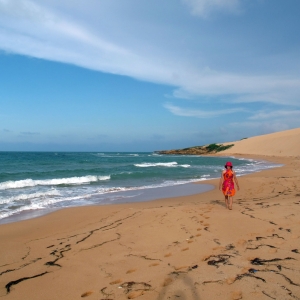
(282, 144)
(180, 248)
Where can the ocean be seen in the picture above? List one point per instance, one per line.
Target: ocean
(35, 183)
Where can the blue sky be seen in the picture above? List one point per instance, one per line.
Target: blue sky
(140, 75)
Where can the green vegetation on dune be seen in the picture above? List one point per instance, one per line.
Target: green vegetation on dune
(198, 150)
(217, 147)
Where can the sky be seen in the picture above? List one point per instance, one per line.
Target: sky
(140, 75)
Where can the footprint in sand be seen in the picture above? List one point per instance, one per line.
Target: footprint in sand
(86, 294)
(135, 294)
(185, 249)
(116, 282)
(181, 267)
(236, 295)
(168, 254)
(219, 248)
(199, 234)
(154, 265)
(130, 271)
(198, 229)
(230, 280)
(272, 250)
(167, 281)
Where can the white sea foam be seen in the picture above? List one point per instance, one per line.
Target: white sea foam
(114, 189)
(31, 207)
(26, 197)
(167, 183)
(168, 165)
(57, 181)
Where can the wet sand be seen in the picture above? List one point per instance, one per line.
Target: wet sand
(124, 197)
(188, 247)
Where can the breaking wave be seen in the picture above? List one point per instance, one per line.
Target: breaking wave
(46, 182)
(167, 164)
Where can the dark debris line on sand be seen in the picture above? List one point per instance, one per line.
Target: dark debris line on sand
(59, 253)
(22, 279)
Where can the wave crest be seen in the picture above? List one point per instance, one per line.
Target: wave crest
(29, 197)
(56, 181)
(168, 165)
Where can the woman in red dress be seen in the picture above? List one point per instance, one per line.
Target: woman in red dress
(227, 184)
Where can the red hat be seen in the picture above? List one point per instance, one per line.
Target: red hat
(228, 164)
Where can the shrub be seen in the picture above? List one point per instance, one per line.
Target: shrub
(217, 148)
(212, 147)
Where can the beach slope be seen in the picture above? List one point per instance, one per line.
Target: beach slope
(179, 248)
(284, 143)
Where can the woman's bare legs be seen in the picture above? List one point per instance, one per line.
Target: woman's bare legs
(226, 201)
(230, 200)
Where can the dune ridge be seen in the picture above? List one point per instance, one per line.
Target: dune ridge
(284, 143)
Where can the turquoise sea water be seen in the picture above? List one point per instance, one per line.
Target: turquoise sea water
(33, 182)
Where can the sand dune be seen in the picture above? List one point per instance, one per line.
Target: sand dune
(284, 143)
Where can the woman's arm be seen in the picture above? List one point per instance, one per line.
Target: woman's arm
(221, 181)
(236, 181)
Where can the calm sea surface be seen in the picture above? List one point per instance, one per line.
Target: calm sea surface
(33, 183)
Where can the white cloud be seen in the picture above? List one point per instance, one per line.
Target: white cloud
(242, 88)
(103, 36)
(185, 112)
(32, 29)
(261, 115)
(205, 7)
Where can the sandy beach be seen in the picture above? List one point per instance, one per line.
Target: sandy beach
(188, 247)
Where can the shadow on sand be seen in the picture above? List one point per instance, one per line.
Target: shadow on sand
(186, 290)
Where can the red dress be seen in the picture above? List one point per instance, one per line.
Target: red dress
(228, 184)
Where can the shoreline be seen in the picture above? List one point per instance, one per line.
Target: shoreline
(138, 195)
(188, 246)
(134, 196)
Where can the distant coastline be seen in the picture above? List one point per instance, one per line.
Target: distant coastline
(197, 150)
